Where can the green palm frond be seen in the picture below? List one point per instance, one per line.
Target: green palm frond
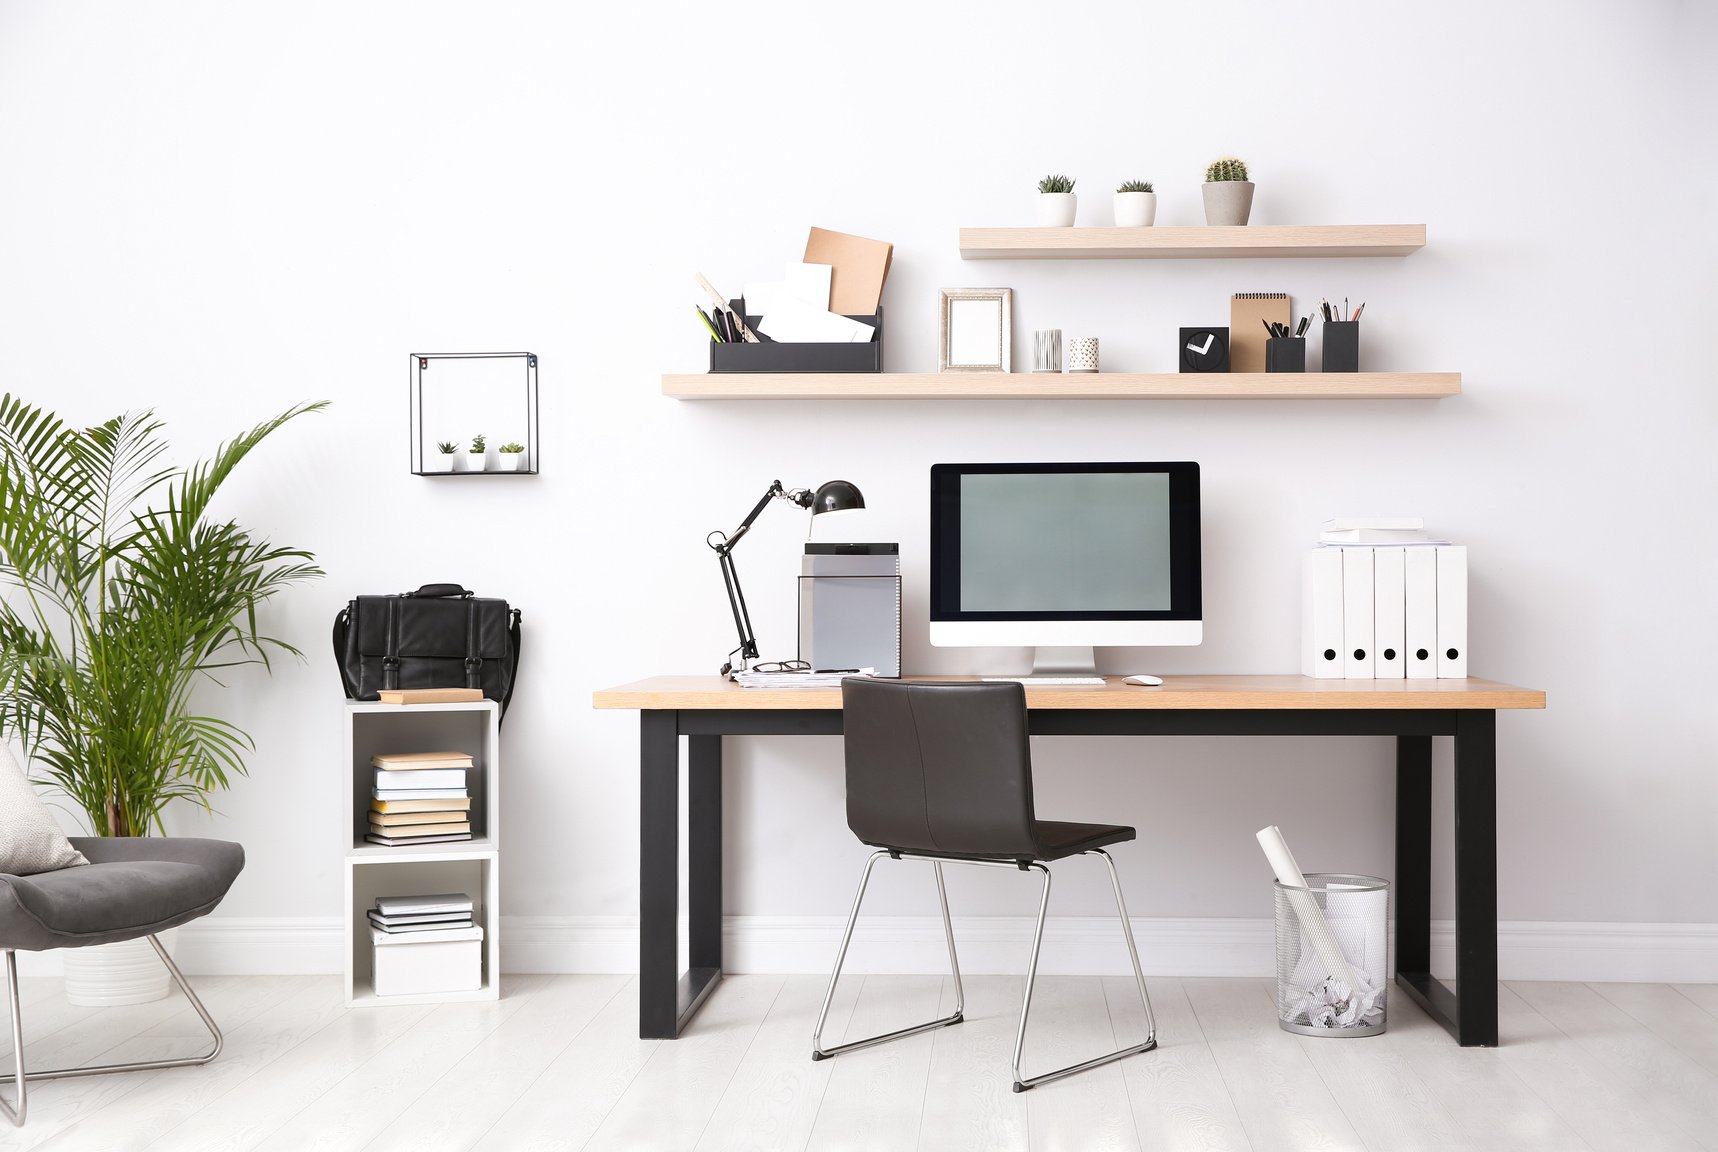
(125, 598)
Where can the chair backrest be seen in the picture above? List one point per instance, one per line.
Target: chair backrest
(939, 768)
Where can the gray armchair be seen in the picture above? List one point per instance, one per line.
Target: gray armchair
(131, 887)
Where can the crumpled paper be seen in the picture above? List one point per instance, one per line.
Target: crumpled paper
(1331, 1003)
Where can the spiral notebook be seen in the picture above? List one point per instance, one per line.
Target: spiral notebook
(1248, 314)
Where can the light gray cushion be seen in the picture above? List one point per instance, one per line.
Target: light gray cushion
(30, 841)
(133, 886)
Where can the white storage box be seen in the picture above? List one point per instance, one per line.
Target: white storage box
(445, 961)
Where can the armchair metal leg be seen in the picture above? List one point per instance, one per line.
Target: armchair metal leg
(1022, 1083)
(818, 1051)
(22, 1078)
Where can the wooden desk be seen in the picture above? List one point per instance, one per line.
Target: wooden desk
(706, 708)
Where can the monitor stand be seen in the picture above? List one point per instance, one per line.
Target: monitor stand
(1074, 661)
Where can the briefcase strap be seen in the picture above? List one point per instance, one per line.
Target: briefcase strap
(473, 657)
(391, 662)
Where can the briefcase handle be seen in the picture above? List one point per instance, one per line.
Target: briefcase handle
(438, 591)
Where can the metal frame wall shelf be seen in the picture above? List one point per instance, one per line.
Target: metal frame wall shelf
(458, 395)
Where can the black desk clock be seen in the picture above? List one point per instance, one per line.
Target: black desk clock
(1204, 350)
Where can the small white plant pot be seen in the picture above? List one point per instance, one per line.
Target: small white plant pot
(1082, 354)
(108, 975)
(1228, 202)
(475, 462)
(511, 461)
(1056, 209)
(1135, 209)
(439, 462)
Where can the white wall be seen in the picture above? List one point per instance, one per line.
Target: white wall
(219, 209)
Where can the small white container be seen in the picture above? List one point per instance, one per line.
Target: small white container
(1082, 354)
(407, 967)
(510, 461)
(475, 462)
(439, 462)
(1135, 209)
(1056, 209)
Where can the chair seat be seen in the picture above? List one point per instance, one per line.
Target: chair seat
(132, 887)
(1058, 838)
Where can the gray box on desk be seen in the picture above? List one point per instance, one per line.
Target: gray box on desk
(850, 607)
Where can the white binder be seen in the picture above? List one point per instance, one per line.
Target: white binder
(1357, 621)
(1321, 614)
(1389, 613)
(1452, 611)
(1421, 635)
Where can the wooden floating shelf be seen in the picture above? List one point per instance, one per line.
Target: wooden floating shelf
(1062, 386)
(1248, 242)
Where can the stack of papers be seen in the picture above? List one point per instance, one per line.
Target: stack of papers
(795, 309)
(750, 679)
(1396, 531)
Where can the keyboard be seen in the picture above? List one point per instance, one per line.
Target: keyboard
(1047, 681)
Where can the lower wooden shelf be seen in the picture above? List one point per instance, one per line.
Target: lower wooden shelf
(1062, 386)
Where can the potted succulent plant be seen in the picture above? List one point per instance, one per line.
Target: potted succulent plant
(1056, 202)
(1136, 204)
(442, 461)
(132, 601)
(477, 456)
(512, 453)
(1228, 192)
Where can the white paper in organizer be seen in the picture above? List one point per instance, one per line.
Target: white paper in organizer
(796, 322)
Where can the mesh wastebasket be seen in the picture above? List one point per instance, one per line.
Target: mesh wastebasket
(1333, 955)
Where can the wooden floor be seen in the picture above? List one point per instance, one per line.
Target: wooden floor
(557, 1064)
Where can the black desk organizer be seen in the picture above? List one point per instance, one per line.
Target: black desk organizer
(772, 356)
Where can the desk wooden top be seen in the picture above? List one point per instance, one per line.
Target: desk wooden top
(1213, 692)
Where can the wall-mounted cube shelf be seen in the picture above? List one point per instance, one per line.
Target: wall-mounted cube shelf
(458, 395)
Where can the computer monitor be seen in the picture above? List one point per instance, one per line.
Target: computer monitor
(1060, 556)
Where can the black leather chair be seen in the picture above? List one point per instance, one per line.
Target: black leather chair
(943, 772)
(131, 887)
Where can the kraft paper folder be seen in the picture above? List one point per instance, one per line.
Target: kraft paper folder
(860, 267)
(1248, 312)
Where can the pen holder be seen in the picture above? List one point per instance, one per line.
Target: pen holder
(1285, 354)
(1342, 346)
(779, 356)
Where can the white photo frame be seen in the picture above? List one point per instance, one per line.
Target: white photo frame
(977, 330)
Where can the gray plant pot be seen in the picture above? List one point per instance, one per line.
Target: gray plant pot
(1228, 201)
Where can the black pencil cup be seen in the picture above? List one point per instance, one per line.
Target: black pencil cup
(772, 356)
(1342, 346)
(1285, 354)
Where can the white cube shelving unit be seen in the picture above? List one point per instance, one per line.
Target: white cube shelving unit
(471, 866)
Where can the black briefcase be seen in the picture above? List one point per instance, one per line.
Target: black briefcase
(440, 636)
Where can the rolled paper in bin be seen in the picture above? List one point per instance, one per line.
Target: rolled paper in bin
(1312, 922)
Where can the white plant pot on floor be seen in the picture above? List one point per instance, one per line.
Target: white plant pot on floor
(108, 975)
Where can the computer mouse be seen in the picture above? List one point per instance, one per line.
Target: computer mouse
(1148, 681)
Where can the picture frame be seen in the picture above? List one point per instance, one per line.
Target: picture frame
(977, 330)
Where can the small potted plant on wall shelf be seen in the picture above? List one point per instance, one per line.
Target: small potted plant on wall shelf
(477, 456)
(1228, 192)
(512, 453)
(442, 461)
(1056, 202)
(1136, 204)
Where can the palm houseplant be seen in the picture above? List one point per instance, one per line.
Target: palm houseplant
(119, 596)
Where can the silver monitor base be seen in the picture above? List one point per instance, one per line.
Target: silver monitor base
(1074, 661)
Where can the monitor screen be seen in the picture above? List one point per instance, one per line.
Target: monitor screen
(1065, 544)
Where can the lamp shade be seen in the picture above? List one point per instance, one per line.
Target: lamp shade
(836, 496)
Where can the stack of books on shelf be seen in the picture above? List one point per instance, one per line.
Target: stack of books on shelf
(425, 945)
(420, 798)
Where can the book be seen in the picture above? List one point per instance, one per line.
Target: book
(395, 939)
(419, 905)
(388, 779)
(1394, 537)
(440, 828)
(413, 761)
(1338, 523)
(408, 922)
(398, 841)
(407, 819)
(430, 695)
(396, 794)
(459, 802)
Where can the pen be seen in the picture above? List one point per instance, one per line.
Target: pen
(714, 335)
(1360, 309)
(824, 670)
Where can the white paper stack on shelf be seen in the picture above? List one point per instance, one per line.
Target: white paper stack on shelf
(1384, 599)
(795, 309)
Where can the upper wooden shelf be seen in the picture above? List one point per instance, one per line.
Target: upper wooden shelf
(1247, 242)
(1061, 386)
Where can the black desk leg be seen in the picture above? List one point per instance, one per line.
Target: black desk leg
(1414, 854)
(658, 873)
(704, 849)
(1476, 878)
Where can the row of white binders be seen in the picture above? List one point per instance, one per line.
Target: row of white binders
(1385, 613)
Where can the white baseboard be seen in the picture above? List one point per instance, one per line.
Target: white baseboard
(1527, 950)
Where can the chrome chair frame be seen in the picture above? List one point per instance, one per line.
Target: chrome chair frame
(22, 1078)
(1021, 1082)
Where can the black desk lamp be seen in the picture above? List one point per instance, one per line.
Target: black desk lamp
(835, 496)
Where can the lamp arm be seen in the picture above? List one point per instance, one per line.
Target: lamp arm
(724, 549)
